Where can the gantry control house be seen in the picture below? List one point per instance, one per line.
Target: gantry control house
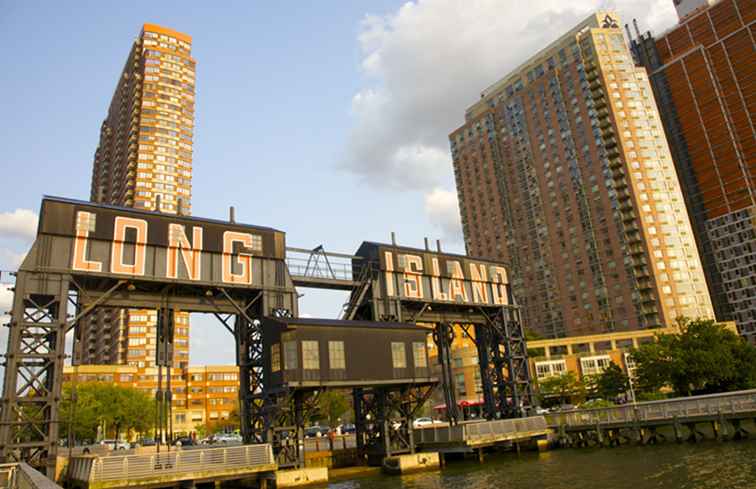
(307, 353)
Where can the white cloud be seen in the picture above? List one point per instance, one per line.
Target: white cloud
(10, 260)
(6, 299)
(426, 62)
(442, 209)
(21, 223)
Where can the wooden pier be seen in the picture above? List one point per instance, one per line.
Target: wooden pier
(728, 415)
(471, 435)
(183, 468)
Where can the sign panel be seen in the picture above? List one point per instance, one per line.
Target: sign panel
(438, 277)
(133, 243)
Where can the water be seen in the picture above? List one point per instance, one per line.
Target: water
(706, 465)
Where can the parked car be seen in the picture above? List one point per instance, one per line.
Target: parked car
(348, 428)
(116, 444)
(316, 430)
(539, 411)
(184, 441)
(426, 421)
(227, 438)
(145, 442)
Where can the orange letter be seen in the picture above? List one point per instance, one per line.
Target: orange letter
(437, 289)
(457, 282)
(191, 253)
(479, 278)
(85, 222)
(117, 264)
(389, 274)
(499, 285)
(413, 277)
(244, 259)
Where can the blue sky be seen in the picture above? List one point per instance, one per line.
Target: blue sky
(327, 120)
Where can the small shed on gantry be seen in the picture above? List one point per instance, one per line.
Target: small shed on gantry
(303, 352)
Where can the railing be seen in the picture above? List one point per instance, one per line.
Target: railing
(175, 463)
(731, 403)
(318, 263)
(497, 430)
(22, 476)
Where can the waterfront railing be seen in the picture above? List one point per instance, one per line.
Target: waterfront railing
(725, 404)
(165, 464)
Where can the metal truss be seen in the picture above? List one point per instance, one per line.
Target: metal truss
(443, 335)
(502, 349)
(35, 357)
(383, 419)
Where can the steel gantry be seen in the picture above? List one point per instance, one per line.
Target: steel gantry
(87, 256)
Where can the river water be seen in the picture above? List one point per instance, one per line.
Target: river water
(729, 465)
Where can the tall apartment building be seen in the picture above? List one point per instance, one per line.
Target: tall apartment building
(563, 172)
(144, 160)
(703, 74)
(206, 395)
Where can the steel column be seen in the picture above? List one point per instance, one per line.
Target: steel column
(34, 370)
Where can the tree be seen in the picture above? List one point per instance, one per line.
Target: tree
(563, 387)
(611, 383)
(119, 409)
(704, 358)
(332, 405)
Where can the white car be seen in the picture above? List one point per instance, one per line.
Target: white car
(116, 444)
(228, 438)
(426, 421)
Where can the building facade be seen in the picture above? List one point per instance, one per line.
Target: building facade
(563, 172)
(584, 356)
(204, 396)
(144, 160)
(702, 72)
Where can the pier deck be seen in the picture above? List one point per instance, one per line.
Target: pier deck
(477, 434)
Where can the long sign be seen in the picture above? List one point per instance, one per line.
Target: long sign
(439, 277)
(134, 243)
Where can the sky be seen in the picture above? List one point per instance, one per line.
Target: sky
(327, 120)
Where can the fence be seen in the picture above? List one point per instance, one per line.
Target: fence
(176, 462)
(22, 476)
(479, 431)
(727, 404)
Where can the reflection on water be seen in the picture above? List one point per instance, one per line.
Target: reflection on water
(730, 465)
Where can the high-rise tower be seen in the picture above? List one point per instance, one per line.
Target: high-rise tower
(702, 72)
(563, 171)
(144, 160)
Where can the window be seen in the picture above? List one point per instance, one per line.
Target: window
(275, 357)
(398, 355)
(336, 355)
(418, 352)
(594, 365)
(290, 355)
(630, 365)
(550, 368)
(459, 383)
(310, 355)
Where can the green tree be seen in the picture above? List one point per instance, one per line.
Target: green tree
(333, 404)
(119, 409)
(704, 358)
(611, 383)
(563, 387)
